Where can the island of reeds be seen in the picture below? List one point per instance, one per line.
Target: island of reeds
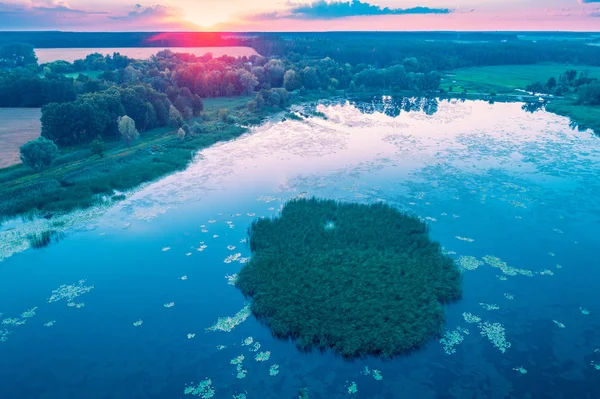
(359, 279)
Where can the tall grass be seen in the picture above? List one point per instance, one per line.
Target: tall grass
(360, 279)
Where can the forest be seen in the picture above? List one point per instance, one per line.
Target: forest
(359, 279)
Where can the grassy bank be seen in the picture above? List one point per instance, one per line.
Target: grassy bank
(79, 179)
(507, 80)
(584, 116)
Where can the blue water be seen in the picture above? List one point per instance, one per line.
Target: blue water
(459, 168)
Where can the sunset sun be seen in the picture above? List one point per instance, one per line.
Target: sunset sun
(205, 18)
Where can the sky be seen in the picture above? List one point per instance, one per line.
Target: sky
(301, 15)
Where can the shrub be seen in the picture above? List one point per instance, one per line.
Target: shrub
(360, 279)
(197, 128)
(127, 129)
(589, 94)
(98, 147)
(292, 80)
(187, 129)
(175, 118)
(39, 153)
(292, 116)
(223, 114)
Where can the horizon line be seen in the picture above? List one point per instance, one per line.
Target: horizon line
(323, 31)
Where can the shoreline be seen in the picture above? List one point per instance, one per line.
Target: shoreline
(160, 152)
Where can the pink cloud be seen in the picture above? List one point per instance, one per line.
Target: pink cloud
(57, 14)
(467, 21)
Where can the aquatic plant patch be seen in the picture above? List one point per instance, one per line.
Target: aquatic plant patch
(373, 284)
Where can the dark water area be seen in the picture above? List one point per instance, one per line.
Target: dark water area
(513, 196)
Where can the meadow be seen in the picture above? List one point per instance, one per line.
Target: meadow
(19, 125)
(508, 81)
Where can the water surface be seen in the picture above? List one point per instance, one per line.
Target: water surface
(490, 180)
(71, 54)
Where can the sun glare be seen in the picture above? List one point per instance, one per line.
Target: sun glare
(206, 19)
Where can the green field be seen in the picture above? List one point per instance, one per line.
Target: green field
(17, 126)
(507, 79)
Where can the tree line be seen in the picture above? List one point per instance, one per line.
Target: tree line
(571, 81)
(168, 89)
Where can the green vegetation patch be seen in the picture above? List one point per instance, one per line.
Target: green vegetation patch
(584, 116)
(505, 79)
(360, 279)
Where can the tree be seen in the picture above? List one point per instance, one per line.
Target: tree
(310, 78)
(186, 129)
(181, 133)
(17, 55)
(589, 94)
(70, 123)
(39, 153)
(136, 106)
(197, 104)
(292, 80)
(551, 84)
(98, 147)
(131, 75)
(127, 129)
(333, 84)
(260, 74)
(274, 71)
(248, 81)
(411, 64)
(175, 118)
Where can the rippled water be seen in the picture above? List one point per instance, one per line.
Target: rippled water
(512, 196)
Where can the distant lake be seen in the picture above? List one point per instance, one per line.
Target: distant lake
(71, 54)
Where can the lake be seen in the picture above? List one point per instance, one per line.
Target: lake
(122, 306)
(71, 54)
(19, 125)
